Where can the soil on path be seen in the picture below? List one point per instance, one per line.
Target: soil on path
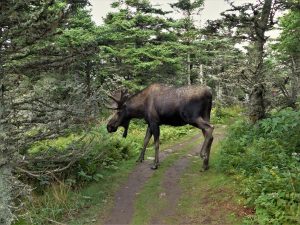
(123, 209)
(211, 202)
(211, 211)
(171, 186)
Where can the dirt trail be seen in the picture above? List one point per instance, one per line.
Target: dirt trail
(123, 209)
(171, 179)
(213, 204)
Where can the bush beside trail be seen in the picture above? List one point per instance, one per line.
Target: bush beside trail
(265, 159)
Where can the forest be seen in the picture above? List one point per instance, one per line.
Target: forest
(59, 69)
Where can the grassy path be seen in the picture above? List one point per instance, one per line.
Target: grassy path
(125, 197)
(206, 198)
(176, 193)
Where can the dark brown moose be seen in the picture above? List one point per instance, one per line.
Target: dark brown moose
(160, 104)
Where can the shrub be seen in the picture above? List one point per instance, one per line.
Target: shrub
(264, 158)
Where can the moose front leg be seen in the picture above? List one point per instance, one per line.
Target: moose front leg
(155, 132)
(207, 130)
(146, 141)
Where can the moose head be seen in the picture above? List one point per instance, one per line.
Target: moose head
(120, 117)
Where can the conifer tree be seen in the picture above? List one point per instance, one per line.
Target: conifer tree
(252, 21)
(39, 45)
(187, 30)
(140, 43)
(288, 53)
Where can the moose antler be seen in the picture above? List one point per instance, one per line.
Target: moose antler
(113, 98)
(123, 97)
(109, 107)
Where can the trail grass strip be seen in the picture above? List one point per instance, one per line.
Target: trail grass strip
(180, 194)
(125, 197)
(207, 198)
(152, 201)
(170, 184)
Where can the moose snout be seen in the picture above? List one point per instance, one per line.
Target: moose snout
(111, 129)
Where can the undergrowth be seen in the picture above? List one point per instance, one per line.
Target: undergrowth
(265, 160)
(50, 202)
(224, 115)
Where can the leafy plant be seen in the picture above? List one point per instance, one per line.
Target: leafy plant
(266, 163)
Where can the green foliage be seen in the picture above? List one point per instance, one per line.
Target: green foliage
(188, 5)
(104, 151)
(289, 38)
(105, 155)
(224, 115)
(264, 158)
(138, 43)
(53, 205)
(58, 144)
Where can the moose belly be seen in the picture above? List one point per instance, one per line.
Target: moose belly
(173, 120)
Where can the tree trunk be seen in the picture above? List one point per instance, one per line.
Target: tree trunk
(200, 76)
(257, 107)
(6, 216)
(6, 176)
(295, 79)
(257, 103)
(188, 69)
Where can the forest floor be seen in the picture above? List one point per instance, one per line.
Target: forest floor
(176, 193)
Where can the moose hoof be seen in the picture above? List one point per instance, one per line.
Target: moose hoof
(204, 168)
(154, 167)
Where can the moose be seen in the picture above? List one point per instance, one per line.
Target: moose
(160, 104)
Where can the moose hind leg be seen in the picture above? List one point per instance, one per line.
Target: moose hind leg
(207, 130)
(207, 154)
(201, 152)
(146, 142)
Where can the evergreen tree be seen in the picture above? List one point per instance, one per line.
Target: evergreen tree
(139, 44)
(187, 31)
(41, 44)
(251, 22)
(288, 53)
